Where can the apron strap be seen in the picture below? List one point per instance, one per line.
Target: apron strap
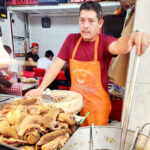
(95, 48)
(76, 47)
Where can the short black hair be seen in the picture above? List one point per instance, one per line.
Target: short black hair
(8, 49)
(92, 5)
(49, 53)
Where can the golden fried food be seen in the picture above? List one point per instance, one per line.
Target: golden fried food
(30, 124)
(56, 143)
(12, 142)
(32, 136)
(37, 109)
(30, 121)
(55, 125)
(51, 136)
(73, 128)
(14, 115)
(66, 117)
(50, 116)
(64, 125)
(6, 130)
(26, 101)
(27, 148)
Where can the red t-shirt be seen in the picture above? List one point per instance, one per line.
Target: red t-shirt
(85, 52)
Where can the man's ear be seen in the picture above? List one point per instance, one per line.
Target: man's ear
(101, 22)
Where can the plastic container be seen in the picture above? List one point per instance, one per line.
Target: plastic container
(11, 2)
(22, 2)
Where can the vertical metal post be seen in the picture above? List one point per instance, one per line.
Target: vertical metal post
(129, 102)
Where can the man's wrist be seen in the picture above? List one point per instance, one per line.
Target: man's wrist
(41, 88)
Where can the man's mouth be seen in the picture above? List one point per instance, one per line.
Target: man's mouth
(85, 32)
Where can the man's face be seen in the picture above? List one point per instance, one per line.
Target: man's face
(89, 25)
(35, 49)
(50, 58)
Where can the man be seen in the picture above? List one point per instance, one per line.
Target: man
(32, 57)
(88, 54)
(46, 61)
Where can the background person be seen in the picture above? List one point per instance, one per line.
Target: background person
(32, 57)
(12, 69)
(46, 61)
(4, 81)
(89, 54)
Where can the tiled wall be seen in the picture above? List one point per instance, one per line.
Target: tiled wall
(53, 37)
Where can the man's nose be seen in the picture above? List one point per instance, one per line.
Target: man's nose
(86, 24)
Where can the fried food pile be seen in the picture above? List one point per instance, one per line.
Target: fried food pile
(29, 124)
(28, 80)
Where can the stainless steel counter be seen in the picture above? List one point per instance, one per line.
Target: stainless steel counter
(7, 98)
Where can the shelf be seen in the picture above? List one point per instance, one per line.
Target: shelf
(61, 9)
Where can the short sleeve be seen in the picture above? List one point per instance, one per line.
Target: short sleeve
(27, 56)
(107, 41)
(64, 51)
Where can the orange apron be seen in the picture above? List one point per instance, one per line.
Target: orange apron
(86, 79)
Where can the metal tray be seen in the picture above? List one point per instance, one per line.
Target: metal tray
(4, 98)
(7, 147)
(106, 138)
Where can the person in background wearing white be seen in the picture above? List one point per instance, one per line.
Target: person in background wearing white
(12, 69)
(45, 62)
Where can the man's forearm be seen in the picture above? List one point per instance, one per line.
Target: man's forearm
(120, 46)
(32, 63)
(125, 44)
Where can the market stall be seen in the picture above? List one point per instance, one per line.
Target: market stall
(92, 137)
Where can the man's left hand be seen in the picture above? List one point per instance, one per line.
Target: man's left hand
(140, 40)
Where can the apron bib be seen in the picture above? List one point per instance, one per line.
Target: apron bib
(86, 79)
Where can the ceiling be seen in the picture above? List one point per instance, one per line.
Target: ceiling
(61, 9)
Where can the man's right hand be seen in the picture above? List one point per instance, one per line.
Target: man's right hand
(34, 92)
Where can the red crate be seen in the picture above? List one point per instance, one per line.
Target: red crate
(11, 2)
(116, 109)
(33, 2)
(22, 2)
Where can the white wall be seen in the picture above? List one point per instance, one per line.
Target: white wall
(51, 38)
(6, 31)
(48, 38)
(18, 25)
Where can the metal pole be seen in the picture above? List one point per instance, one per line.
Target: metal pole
(129, 102)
